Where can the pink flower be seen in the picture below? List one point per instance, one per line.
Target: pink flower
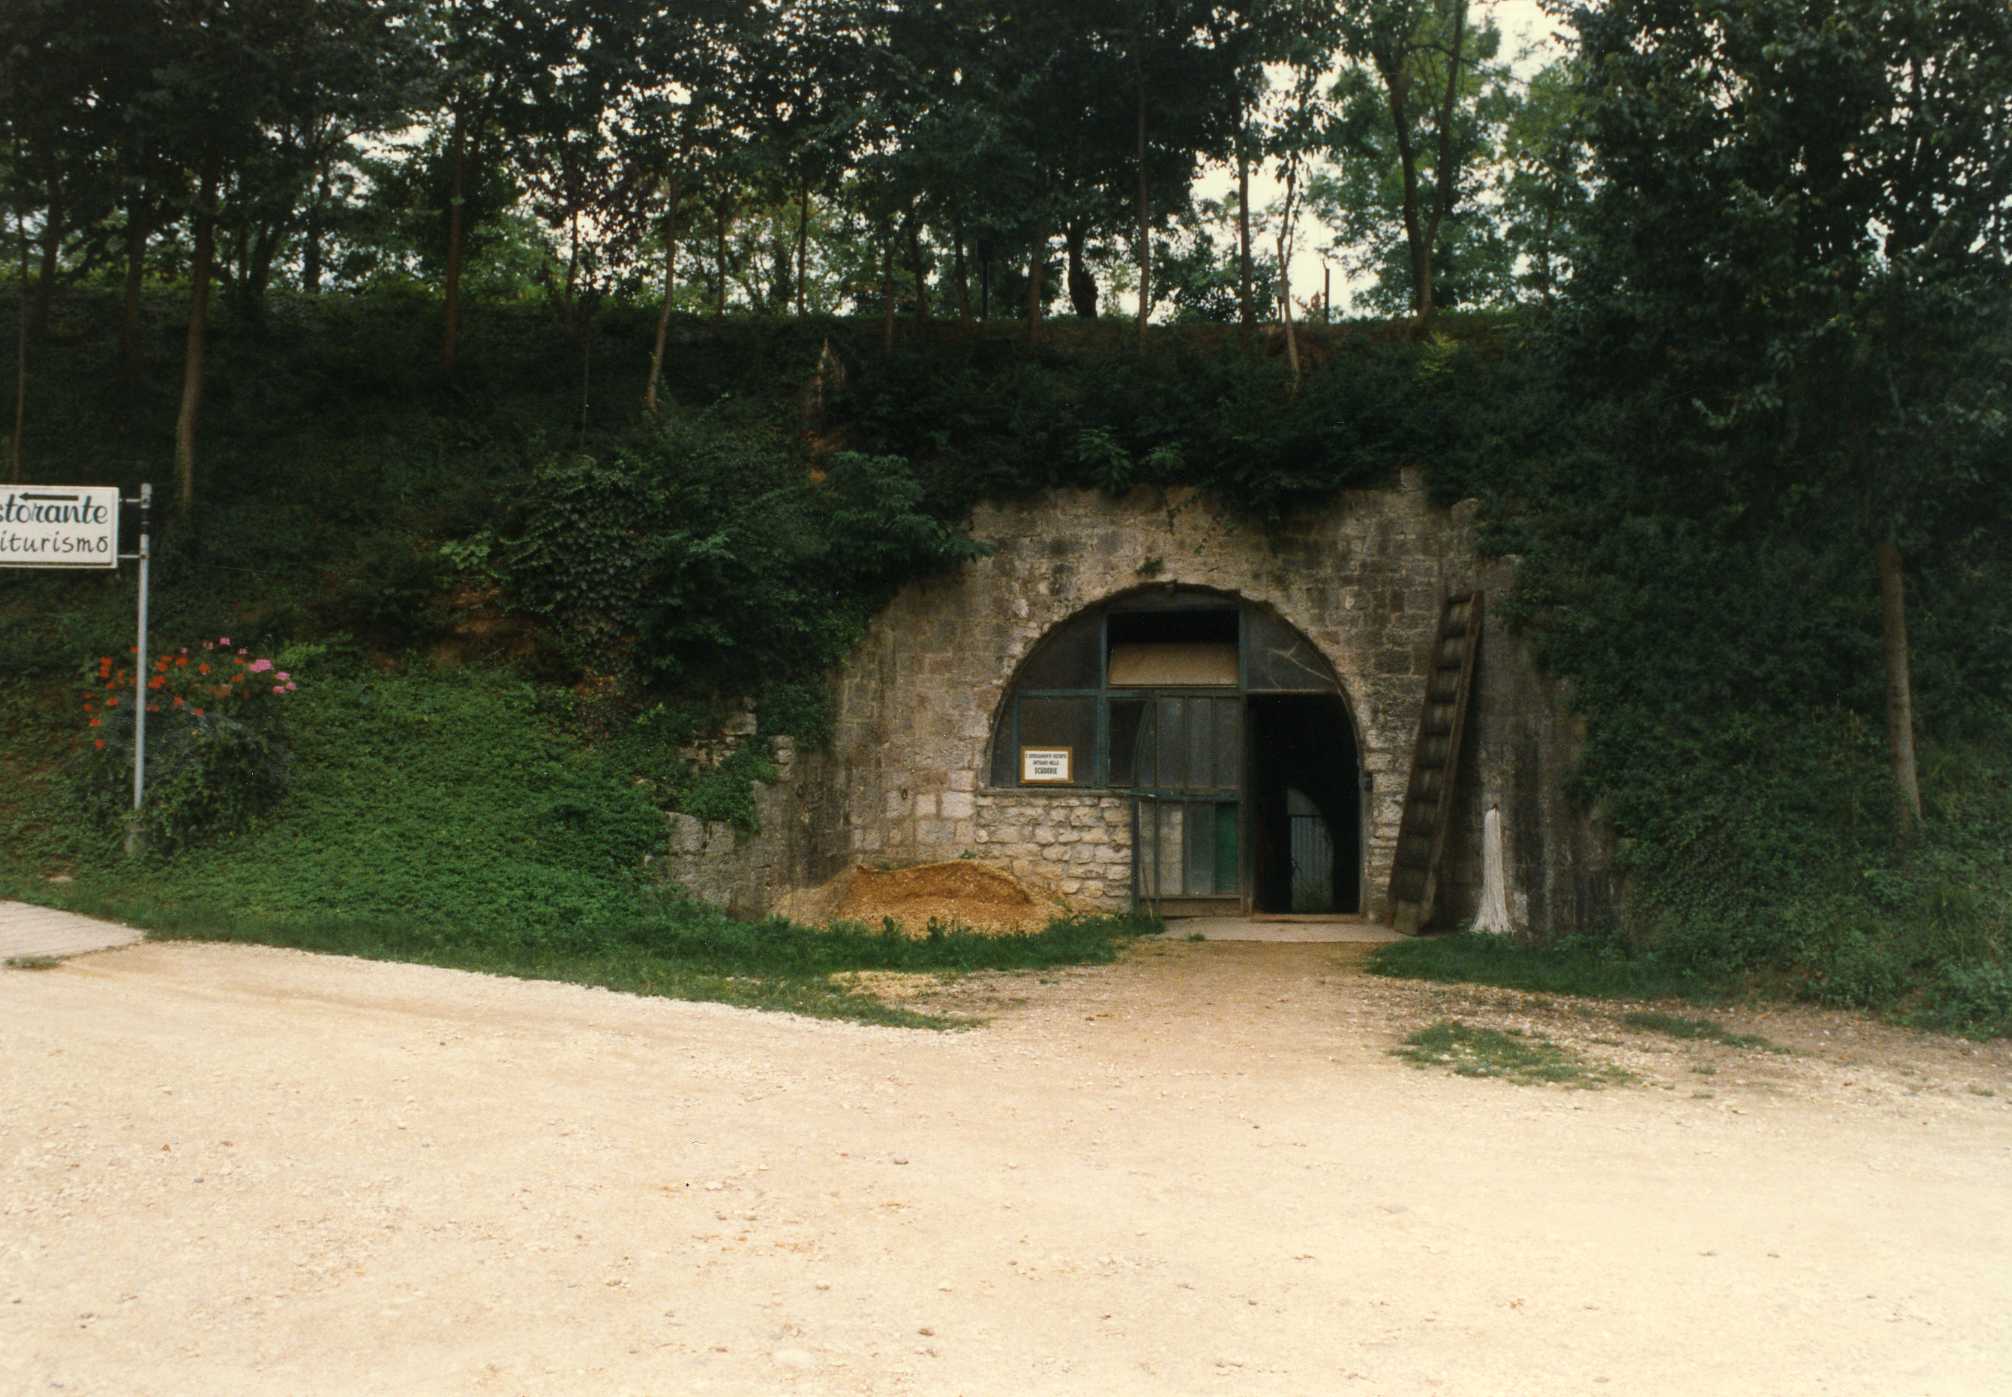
(291, 686)
(260, 666)
(224, 641)
(281, 676)
(279, 688)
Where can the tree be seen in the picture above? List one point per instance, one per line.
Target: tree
(1541, 180)
(1798, 257)
(1425, 57)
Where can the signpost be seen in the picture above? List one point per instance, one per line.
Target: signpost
(76, 527)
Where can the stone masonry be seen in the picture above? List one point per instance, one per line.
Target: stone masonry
(1362, 577)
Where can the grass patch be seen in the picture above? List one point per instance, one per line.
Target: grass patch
(1704, 1030)
(443, 817)
(1505, 1054)
(1601, 970)
(684, 951)
(33, 962)
(697, 953)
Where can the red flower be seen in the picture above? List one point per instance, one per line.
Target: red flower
(111, 703)
(199, 712)
(99, 744)
(157, 681)
(183, 660)
(97, 722)
(202, 669)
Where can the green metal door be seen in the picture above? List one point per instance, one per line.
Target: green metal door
(1187, 759)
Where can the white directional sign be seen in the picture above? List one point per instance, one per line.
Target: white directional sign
(59, 526)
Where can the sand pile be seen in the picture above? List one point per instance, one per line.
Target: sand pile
(975, 896)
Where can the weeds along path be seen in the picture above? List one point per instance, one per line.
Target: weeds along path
(229, 1168)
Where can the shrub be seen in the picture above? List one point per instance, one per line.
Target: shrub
(216, 742)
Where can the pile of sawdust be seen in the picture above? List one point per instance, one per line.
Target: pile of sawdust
(960, 893)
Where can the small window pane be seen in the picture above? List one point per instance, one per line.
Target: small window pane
(1278, 659)
(1004, 772)
(1132, 740)
(1198, 870)
(1067, 657)
(1173, 744)
(1165, 664)
(1061, 722)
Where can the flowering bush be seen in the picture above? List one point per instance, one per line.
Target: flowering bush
(216, 740)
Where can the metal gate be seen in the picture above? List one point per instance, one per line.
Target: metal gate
(1312, 855)
(1184, 848)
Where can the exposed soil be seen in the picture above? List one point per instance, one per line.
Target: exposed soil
(959, 893)
(1199, 1170)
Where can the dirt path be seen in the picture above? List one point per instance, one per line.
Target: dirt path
(235, 1169)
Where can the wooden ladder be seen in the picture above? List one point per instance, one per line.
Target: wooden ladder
(1435, 760)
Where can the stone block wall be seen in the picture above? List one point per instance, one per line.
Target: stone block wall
(1078, 844)
(746, 872)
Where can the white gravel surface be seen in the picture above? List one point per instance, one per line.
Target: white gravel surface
(232, 1169)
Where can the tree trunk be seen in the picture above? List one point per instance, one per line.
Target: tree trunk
(1899, 694)
(130, 352)
(52, 249)
(238, 275)
(192, 358)
(1285, 231)
(310, 258)
(802, 240)
(917, 266)
(52, 252)
(984, 279)
(265, 248)
(1082, 286)
(1394, 82)
(16, 452)
(1445, 176)
(456, 233)
(1037, 268)
(887, 290)
(1145, 221)
(664, 314)
(1246, 310)
(726, 214)
(962, 271)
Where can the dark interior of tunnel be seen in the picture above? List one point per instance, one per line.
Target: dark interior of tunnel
(1305, 743)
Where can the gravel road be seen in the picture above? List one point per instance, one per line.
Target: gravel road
(233, 1169)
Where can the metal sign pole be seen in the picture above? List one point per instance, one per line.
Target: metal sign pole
(140, 669)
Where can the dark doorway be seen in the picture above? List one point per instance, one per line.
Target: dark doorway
(1305, 806)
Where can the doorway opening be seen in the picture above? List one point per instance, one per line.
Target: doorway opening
(1305, 806)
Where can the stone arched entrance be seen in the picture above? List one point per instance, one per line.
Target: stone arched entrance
(911, 774)
(1221, 727)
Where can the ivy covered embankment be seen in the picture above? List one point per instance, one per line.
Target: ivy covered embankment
(601, 585)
